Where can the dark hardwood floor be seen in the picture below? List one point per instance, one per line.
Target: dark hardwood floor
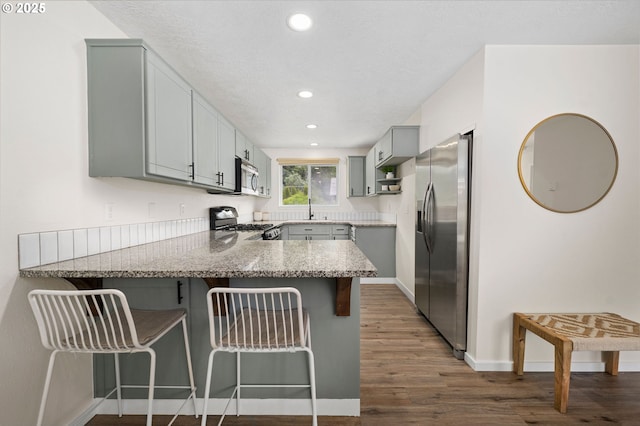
(409, 377)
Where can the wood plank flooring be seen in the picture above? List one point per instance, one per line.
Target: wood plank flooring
(409, 377)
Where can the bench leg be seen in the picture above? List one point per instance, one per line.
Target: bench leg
(562, 375)
(519, 335)
(612, 359)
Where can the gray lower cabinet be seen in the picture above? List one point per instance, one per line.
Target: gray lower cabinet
(356, 185)
(316, 232)
(171, 367)
(378, 243)
(340, 232)
(309, 232)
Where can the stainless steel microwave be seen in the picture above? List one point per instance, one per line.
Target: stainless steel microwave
(246, 177)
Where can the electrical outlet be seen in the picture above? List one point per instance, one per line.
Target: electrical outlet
(181, 208)
(108, 211)
(152, 210)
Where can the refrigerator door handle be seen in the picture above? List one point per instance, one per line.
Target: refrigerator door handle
(426, 222)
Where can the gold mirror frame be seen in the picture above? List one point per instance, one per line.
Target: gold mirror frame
(612, 163)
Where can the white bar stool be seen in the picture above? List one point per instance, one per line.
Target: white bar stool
(100, 321)
(252, 320)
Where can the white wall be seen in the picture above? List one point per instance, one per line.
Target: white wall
(524, 258)
(454, 108)
(44, 185)
(534, 260)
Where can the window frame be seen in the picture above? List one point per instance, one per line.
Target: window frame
(309, 166)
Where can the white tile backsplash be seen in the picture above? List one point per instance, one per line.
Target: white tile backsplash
(29, 250)
(125, 236)
(105, 239)
(116, 237)
(48, 247)
(93, 241)
(35, 249)
(80, 242)
(65, 245)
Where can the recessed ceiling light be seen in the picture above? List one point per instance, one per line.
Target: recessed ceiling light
(314, 144)
(299, 22)
(312, 126)
(305, 94)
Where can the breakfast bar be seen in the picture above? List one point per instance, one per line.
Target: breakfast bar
(178, 272)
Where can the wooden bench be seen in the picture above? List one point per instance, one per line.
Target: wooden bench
(609, 333)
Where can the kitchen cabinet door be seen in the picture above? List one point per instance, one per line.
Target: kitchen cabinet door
(268, 177)
(399, 144)
(370, 173)
(205, 142)
(378, 243)
(384, 148)
(171, 366)
(260, 161)
(169, 139)
(244, 147)
(356, 185)
(226, 154)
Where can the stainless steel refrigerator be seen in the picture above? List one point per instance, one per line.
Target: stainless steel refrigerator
(442, 230)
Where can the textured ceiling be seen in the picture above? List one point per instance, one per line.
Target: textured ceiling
(370, 64)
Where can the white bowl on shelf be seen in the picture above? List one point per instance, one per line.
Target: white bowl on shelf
(394, 187)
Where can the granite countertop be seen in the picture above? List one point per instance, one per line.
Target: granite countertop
(217, 254)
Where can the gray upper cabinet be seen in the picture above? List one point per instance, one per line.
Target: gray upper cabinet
(263, 163)
(168, 108)
(244, 147)
(356, 185)
(260, 161)
(205, 142)
(370, 173)
(397, 145)
(146, 122)
(213, 146)
(226, 154)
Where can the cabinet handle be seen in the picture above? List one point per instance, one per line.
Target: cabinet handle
(192, 174)
(222, 178)
(218, 180)
(180, 292)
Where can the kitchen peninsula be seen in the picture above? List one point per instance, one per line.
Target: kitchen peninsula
(177, 273)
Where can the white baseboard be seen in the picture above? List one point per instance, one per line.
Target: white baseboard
(546, 366)
(284, 407)
(378, 280)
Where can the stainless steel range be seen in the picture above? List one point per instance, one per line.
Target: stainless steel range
(226, 218)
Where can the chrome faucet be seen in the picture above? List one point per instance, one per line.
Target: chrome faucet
(310, 214)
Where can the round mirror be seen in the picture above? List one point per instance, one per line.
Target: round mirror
(567, 163)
